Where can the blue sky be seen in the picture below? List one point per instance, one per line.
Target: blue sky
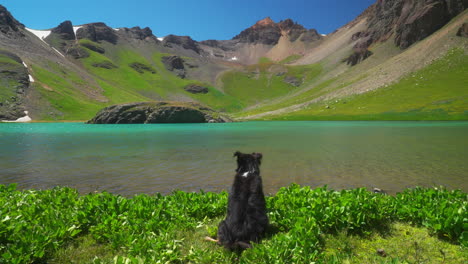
(200, 19)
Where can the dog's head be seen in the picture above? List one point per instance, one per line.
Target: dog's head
(248, 164)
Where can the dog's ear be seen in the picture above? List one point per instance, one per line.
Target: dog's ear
(258, 156)
(237, 154)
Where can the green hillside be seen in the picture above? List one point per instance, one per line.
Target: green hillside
(436, 92)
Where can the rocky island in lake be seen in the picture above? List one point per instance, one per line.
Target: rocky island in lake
(158, 112)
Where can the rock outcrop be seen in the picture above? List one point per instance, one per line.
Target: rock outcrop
(196, 89)
(8, 24)
(15, 81)
(186, 42)
(463, 31)
(174, 64)
(157, 112)
(97, 32)
(357, 56)
(409, 21)
(142, 68)
(139, 33)
(65, 30)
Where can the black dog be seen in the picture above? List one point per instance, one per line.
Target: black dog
(246, 218)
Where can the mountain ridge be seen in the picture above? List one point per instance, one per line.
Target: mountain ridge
(72, 67)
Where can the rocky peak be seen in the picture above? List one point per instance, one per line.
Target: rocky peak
(186, 42)
(8, 24)
(266, 31)
(97, 32)
(65, 30)
(266, 22)
(139, 33)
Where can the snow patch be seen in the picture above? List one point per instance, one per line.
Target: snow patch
(161, 39)
(41, 34)
(25, 65)
(116, 29)
(31, 79)
(75, 29)
(23, 119)
(58, 52)
(233, 58)
(323, 35)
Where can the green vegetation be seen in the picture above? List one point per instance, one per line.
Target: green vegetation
(8, 66)
(290, 59)
(307, 225)
(436, 92)
(266, 81)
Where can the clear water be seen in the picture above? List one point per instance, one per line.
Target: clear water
(129, 159)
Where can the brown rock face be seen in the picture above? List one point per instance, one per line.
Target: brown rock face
(266, 31)
(15, 80)
(410, 20)
(174, 64)
(357, 56)
(139, 33)
(97, 32)
(8, 24)
(65, 30)
(185, 42)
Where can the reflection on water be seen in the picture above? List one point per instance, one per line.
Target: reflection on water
(129, 159)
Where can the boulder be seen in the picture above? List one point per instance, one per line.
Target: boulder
(463, 31)
(157, 112)
(196, 89)
(292, 80)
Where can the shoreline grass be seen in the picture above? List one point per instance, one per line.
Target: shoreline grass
(307, 225)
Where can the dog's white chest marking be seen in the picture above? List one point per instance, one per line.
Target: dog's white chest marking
(246, 174)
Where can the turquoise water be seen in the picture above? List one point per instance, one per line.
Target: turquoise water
(129, 159)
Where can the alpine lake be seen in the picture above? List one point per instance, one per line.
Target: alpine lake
(160, 158)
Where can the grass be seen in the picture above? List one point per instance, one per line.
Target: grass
(306, 225)
(401, 243)
(436, 92)
(8, 85)
(290, 59)
(75, 99)
(256, 83)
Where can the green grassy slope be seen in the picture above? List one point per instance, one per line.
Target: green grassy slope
(117, 81)
(266, 81)
(8, 85)
(436, 92)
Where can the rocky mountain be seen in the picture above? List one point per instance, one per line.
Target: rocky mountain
(271, 70)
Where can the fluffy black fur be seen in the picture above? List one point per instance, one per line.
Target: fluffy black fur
(246, 218)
